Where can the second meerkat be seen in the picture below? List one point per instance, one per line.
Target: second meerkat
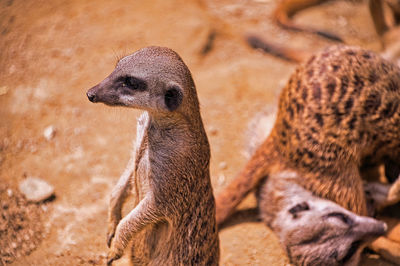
(173, 222)
(339, 111)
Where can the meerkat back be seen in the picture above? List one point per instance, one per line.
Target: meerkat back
(339, 111)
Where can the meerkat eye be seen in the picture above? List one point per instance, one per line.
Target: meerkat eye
(342, 217)
(299, 208)
(134, 83)
(173, 98)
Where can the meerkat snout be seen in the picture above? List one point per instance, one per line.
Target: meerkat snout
(91, 96)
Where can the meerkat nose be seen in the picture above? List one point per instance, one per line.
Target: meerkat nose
(91, 96)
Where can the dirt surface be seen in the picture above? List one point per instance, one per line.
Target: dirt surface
(51, 52)
(21, 228)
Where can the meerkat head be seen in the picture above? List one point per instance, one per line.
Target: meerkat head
(154, 79)
(320, 232)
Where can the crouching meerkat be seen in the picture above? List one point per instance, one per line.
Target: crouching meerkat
(173, 222)
(340, 111)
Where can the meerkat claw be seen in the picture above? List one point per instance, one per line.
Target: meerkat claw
(109, 262)
(112, 257)
(110, 237)
(112, 226)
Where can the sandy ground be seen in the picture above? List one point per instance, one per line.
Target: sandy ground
(51, 52)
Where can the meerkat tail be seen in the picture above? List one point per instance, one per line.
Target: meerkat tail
(286, 53)
(256, 169)
(287, 8)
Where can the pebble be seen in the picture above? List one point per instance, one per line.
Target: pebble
(9, 192)
(213, 131)
(221, 179)
(35, 189)
(49, 132)
(3, 90)
(222, 165)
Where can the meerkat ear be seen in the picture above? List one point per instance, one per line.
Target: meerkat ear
(173, 97)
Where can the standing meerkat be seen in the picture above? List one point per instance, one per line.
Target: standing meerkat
(339, 112)
(173, 222)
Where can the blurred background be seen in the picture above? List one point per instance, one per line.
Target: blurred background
(51, 52)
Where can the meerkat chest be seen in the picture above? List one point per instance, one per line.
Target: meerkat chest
(142, 163)
(142, 174)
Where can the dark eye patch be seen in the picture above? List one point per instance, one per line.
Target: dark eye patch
(299, 208)
(343, 217)
(133, 83)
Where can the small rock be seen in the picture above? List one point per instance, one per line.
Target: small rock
(49, 132)
(213, 131)
(35, 189)
(12, 69)
(9, 192)
(222, 165)
(221, 179)
(3, 90)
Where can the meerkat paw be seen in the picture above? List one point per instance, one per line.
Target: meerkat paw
(376, 196)
(388, 249)
(112, 256)
(116, 251)
(119, 239)
(112, 226)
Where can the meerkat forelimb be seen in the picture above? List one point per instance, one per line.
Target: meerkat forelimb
(125, 185)
(143, 214)
(119, 194)
(379, 196)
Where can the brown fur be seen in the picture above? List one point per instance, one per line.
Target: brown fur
(173, 222)
(339, 112)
